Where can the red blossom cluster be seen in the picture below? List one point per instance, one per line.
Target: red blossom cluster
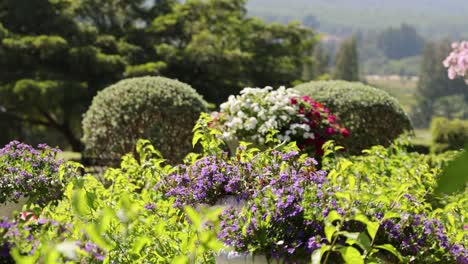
(323, 124)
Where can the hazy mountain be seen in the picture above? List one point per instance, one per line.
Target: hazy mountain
(433, 18)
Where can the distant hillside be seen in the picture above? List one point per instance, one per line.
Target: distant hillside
(433, 18)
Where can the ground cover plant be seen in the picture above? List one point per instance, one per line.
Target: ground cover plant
(379, 207)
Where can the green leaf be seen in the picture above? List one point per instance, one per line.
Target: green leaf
(351, 255)
(391, 249)
(318, 254)
(93, 232)
(333, 216)
(196, 137)
(329, 231)
(195, 217)
(455, 175)
(139, 243)
(361, 239)
(79, 202)
(372, 228)
(390, 214)
(180, 260)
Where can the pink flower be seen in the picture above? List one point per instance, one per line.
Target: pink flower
(330, 131)
(345, 132)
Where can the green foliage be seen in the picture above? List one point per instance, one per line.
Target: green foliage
(451, 106)
(322, 61)
(398, 43)
(394, 184)
(156, 108)
(220, 50)
(50, 70)
(124, 221)
(434, 84)
(448, 134)
(370, 206)
(87, 45)
(455, 175)
(372, 116)
(347, 63)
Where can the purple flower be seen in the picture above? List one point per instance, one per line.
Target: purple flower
(150, 206)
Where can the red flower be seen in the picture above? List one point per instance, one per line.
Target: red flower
(331, 118)
(330, 131)
(301, 110)
(317, 114)
(306, 98)
(293, 101)
(345, 132)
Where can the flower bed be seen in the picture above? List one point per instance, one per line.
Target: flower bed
(255, 112)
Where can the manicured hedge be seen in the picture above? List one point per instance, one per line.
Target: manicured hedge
(156, 108)
(372, 116)
(448, 134)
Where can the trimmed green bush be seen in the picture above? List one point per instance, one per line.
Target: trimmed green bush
(448, 134)
(372, 116)
(155, 108)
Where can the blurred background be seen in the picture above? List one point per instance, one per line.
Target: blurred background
(56, 55)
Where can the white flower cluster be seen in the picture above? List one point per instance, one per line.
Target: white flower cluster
(251, 114)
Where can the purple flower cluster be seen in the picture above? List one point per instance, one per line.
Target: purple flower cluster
(206, 181)
(273, 220)
(416, 234)
(92, 249)
(29, 172)
(25, 234)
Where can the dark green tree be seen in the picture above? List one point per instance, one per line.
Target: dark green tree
(434, 83)
(215, 47)
(51, 65)
(321, 60)
(347, 64)
(51, 68)
(397, 43)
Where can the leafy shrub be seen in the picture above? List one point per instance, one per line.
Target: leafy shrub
(32, 173)
(124, 221)
(369, 208)
(156, 108)
(251, 115)
(372, 116)
(448, 134)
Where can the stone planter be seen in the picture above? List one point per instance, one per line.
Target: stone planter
(232, 257)
(8, 209)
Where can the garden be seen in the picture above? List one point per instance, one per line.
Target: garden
(319, 172)
(309, 174)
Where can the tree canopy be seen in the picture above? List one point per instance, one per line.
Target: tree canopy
(50, 69)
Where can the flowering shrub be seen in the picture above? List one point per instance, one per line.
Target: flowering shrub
(299, 211)
(379, 207)
(249, 117)
(457, 60)
(31, 173)
(123, 221)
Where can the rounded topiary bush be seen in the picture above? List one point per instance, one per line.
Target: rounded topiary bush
(155, 108)
(372, 116)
